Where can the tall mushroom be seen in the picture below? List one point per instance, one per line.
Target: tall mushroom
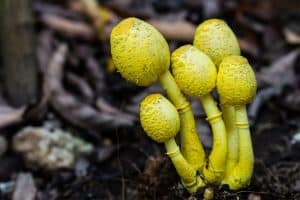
(141, 55)
(215, 38)
(236, 85)
(196, 74)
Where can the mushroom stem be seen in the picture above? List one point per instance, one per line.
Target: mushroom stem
(242, 172)
(191, 146)
(214, 170)
(188, 175)
(232, 138)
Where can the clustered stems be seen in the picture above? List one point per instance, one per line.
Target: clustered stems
(213, 62)
(241, 174)
(218, 156)
(184, 169)
(191, 147)
(232, 138)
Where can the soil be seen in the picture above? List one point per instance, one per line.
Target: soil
(126, 164)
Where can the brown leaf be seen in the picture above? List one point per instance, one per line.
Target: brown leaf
(281, 72)
(9, 116)
(68, 27)
(291, 36)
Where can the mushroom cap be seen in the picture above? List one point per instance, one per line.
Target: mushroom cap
(139, 51)
(236, 83)
(215, 38)
(193, 71)
(159, 118)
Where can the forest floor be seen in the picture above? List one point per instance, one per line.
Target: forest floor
(82, 94)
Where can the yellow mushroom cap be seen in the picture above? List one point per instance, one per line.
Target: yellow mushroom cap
(215, 38)
(236, 83)
(139, 51)
(194, 71)
(159, 118)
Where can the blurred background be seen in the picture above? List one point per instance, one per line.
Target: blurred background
(70, 124)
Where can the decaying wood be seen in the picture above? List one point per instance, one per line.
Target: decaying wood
(17, 50)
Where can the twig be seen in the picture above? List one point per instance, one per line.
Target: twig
(76, 112)
(96, 74)
(104, 106)
(12, 117)
(68, 27)
(175, 30)
(81, 85)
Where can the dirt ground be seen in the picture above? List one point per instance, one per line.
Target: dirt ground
(82, 94)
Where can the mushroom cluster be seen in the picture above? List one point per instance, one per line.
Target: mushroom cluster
(142, 56)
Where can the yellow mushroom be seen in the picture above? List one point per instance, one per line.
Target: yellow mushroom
(160, 121)
(215, 38)
(236, 85)
(141, 55)
(196, 75)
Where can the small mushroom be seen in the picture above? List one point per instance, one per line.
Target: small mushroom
(160, 121)
(215, 38)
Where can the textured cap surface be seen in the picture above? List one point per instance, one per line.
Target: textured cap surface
(159, 118)
(194, 72)
(215, 38)
(236, 83)
(139, 51)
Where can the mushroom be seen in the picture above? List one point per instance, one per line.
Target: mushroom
(196, 74)
(236, 85)
(215, 38)
(141, 55)
(160, 121)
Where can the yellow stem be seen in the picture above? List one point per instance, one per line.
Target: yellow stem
(188, 175)
(242, 173)
(191, 146)
(232, 139)
(215, 167)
